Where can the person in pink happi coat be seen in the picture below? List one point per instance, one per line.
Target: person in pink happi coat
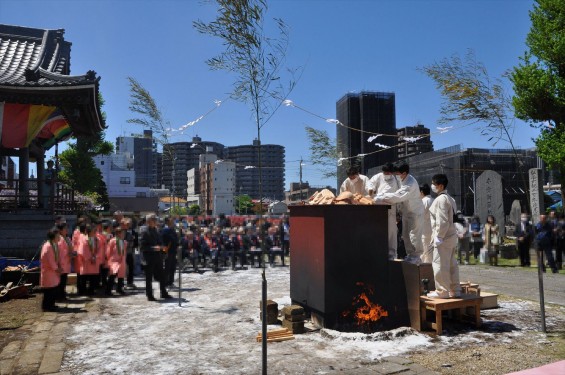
(50, 270)
(66, 255)
(89, 266)
(116, 258)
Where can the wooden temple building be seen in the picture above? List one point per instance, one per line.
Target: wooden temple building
(41, 104)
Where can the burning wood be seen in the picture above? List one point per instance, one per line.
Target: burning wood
(364, 311)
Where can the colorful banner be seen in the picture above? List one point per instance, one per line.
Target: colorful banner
(21, 123)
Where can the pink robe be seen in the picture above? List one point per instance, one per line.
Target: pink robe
(116, 261)
(76, 241)
(50, 276)
(65, 256)
(86, 264)
(101, 257)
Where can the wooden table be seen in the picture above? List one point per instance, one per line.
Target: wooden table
(459, 304)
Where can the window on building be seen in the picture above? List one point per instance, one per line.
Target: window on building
(125, 180)
(102, 162)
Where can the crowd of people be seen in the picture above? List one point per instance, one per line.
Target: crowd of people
(422, 229)
(101, 252)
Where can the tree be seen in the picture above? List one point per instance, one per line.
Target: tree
(79, 170)
(151, 117)
(539, 82)
(243, 204)
(194, 210)
(257, 62)
(473, 97)
(323, 150)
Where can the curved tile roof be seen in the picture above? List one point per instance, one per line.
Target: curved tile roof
(35, 69)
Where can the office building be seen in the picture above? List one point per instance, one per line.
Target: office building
(142, 147)
(413, 140)
(246, 158)
(364, 115)
(186, 156)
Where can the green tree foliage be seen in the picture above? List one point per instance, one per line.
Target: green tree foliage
(323, 151)
(78, 168)
(151, 117)
(243, 204)
(194, 210)
(179, 210)
(471, 96)
(539, 82)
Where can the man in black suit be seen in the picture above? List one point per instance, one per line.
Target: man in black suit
(524, 233)
(151, 246)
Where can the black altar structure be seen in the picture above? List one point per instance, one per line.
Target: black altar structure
(340, 251)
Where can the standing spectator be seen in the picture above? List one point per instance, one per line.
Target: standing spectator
(50, 270)
(285, 236)
(412, 211)
(116, 255)
(170, 242)
(130, 236)
(445, 266)
(544, 242)
(524, 233)
(427, 245)
(355, 183)
(559, 241)
(381, 183)
(151, 246)
(492, 240)
(463, 238)
(66, 255)
(88, 252)
(476, 237)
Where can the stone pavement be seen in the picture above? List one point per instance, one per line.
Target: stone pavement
(42, 351)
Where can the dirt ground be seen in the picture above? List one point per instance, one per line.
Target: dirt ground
(461, 350)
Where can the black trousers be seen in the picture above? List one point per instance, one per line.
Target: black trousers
(154, 269)
(524, 251)
(49, 296)
(61, 289)
(170, 268)
(130, 267)
(112, 282)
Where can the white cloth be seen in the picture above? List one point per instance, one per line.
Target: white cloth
(444, 234)
(361, 186)
(412, 210)
(380, 185)
(427, 231)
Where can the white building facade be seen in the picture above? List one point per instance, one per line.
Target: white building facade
(119, 175)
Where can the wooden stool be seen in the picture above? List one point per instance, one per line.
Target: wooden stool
(459, 304)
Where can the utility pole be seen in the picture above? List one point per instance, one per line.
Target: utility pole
(300, 186)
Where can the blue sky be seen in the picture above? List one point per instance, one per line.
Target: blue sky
(342, 45)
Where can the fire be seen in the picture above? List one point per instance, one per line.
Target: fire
(364, 311)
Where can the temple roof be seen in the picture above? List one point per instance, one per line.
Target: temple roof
(35, 70)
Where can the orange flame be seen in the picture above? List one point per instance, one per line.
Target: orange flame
(364, 310)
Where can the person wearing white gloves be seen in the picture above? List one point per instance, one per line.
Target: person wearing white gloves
(381, 183)
(355, 183)
(412, 210)
(445, 266)
(427, 200)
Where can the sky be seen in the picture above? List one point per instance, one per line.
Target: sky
(340, 47)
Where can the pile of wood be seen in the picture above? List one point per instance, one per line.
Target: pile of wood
(275, 335)
(293, 318)
(327, 197)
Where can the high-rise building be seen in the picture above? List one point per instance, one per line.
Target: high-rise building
(186, 156)
(217, 187)
(142, 147)
(246, 158)
(408, 147)
(363, 115)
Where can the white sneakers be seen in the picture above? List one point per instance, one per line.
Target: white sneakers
(437, 294)
(443, 294)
